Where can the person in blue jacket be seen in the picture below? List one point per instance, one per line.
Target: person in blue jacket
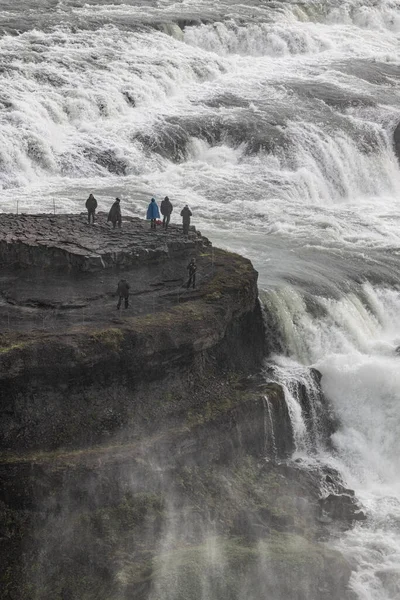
(153, 213)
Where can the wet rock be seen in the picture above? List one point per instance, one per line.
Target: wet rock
(66, 242)
(341, 507)
(63, 340)
(396, 140)
(278, 430)
(129, 98)
(390, 579)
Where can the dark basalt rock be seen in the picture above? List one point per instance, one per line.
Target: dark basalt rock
(134, 441)
(66, 242)
(73, 370)
(342, 507)
(396, 140)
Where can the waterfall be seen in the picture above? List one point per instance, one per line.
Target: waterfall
(353, 343)
(275, 121)
(269, 432)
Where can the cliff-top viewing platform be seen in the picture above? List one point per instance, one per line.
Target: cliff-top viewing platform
(68, 243)
(57, 270)
(59, 322)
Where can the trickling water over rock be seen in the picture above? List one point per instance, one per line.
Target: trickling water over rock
(342, 507)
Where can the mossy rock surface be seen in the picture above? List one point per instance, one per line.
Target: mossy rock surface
(282, 566)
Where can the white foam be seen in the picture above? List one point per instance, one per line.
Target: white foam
(353, 345)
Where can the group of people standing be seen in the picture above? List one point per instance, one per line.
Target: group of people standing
(153, 213)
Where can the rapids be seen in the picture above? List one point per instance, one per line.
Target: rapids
(274, 121)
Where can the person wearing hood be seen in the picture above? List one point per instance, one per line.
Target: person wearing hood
(115, 213)
(192, 269)
(123, 293)
(153, 213)
(91, 205)
(186, 213)
(166, 210)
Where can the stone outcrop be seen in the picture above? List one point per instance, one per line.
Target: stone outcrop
(396, 140)
(74, 372)
(342, 507)
(68, 242)
(144, 519)
(137, 444)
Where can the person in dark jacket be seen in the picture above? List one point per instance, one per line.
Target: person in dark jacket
(91, 205)
(186, 213)
(153, 213)
(123, 292)
(192, 268)
(115, 213)
(166, 210)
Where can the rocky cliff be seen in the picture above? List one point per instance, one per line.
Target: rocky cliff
(143, 455)
(75, 371)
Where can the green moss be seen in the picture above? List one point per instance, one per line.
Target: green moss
(230, 569)
(15, 346)
(112, 338)
(170, 320)
(208, 412)
(233, 395)
(213, 297)
(109, 523)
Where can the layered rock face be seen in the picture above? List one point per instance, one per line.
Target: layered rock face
(396, 140)
(142, 455)
(67, 243)
(75, 371)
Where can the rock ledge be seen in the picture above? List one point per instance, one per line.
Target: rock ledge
(67, 242)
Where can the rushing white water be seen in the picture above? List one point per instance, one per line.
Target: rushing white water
(353, 343)
(275, 122)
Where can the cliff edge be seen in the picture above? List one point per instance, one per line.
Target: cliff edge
(73, 369)
(141, 456)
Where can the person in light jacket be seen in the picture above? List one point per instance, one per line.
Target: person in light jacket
(153, 213)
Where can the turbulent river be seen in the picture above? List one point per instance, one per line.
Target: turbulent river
(274, 120)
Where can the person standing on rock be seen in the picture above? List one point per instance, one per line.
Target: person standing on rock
(115, 213)
(186, 213)
(153, 213)
(91, 205)
(166, 210)
(123, 293)
(192, 268)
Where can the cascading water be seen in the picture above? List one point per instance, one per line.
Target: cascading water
(353, 343)
(275, 122)
(269, 429)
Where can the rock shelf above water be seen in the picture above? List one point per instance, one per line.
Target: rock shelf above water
(58, 271)
(59, 323)
(107, 415)
(68, 242)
